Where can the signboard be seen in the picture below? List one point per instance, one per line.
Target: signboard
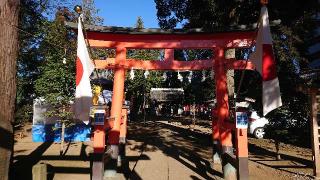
(99, 117)
(241, 120)
(166, 94)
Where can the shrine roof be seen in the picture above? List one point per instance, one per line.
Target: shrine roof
(130, 30)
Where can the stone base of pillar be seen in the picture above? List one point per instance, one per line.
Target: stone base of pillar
(243, 169)
(216, 152)
(97, 169)
(229, 170)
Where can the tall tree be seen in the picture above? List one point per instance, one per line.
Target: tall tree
(90, 13)
(140, 86)
(9, 16)
(30, 37)
(56, 81)
(139, 23)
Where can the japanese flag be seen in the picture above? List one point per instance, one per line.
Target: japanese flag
(85, 67)
(264, 61)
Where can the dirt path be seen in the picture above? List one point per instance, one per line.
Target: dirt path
(161, 150)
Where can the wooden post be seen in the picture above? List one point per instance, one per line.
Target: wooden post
(242, 154)
(98, 148)
(39, 172)
(315, 99)
(122, 138)
(97, 166)
(229, 172)
(63, 128)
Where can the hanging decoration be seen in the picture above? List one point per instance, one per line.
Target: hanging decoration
(190, 76)
(132, 74)
(180, 77)
(164, 76)
(64, 61)
(146, 74)
(203, 76)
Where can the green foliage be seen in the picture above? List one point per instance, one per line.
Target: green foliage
(140, 86)
(219, 14)
(90, 13)
(29, 59)
(45, 44)
(23, 114)
(139, 24)
(57, 80)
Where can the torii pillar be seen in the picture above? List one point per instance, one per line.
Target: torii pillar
(229, 171)
(116, 112)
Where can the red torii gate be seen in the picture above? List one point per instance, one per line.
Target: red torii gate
(123, 39)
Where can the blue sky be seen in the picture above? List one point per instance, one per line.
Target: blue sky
(124, 13)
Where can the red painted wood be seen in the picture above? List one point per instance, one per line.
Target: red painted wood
(241, 143)
(123, 126)
(226, 36)
(175, 44)
(171, 65)
(240, 64)
(169, 55)
(162, 41)
(98, 139)
(117, 97)
(222, 98)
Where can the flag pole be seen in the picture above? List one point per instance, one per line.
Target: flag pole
(99, 130)
(78, 9)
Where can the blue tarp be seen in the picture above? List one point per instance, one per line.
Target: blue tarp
(52, 133)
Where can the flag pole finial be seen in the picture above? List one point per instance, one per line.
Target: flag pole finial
(78, 9)
(264, 2)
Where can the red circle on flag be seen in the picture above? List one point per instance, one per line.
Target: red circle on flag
(269, 70)
(79, 71)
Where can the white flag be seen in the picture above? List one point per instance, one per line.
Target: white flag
(263, 59)
(85, 67)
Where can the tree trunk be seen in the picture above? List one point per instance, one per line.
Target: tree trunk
(9, 15)
(63, 127)
(231, 54)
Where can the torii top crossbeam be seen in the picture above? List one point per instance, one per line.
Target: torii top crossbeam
(131, 38)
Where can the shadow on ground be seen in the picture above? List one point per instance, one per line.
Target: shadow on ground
(266, 157)
(21, 169)
(190, 148)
